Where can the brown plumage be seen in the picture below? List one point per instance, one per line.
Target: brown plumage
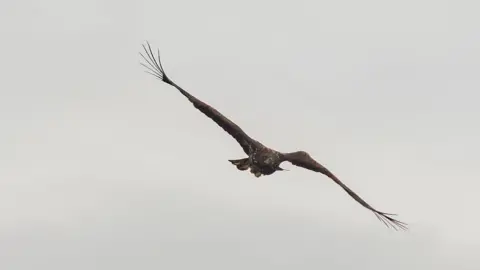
(261, 160)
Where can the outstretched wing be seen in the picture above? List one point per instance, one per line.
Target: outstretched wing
(155, 68)
(302, 159)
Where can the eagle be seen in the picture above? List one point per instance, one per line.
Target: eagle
(260, 160)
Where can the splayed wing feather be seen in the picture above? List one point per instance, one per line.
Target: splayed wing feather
(303, 160)
(155, 68)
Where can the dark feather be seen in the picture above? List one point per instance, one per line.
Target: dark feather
(302, 159)
(155, 68)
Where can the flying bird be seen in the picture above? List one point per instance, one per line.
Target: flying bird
(261, 160)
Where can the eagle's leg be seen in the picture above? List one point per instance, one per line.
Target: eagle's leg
(242, 164)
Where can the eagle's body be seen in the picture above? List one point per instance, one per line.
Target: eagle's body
(260, 159)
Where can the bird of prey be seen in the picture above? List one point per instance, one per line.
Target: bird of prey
(260, 159)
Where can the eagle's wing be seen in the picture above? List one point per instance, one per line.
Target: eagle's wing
(155, 68)
(304, 160)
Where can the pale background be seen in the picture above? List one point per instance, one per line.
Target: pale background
(104, 167)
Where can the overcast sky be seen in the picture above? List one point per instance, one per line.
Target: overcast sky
(104, 167)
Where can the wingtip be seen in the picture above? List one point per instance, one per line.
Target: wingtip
(154, 63)
(391, 222)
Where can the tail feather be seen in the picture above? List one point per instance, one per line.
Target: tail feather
(241, 164)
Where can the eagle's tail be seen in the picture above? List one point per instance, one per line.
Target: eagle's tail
(241, 164)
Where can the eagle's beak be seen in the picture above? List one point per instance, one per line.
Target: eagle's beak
(282, 169)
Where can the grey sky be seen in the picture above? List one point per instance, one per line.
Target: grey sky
(104, 167)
